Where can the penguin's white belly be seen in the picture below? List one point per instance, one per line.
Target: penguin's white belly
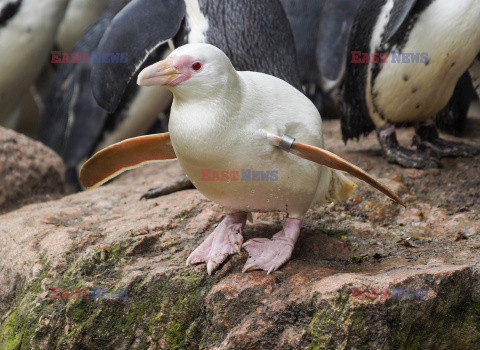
(208, 150)
(449, 33)
(25, 44)
(250, 182)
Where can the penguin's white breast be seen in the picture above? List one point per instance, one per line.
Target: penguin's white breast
(449, 34)
(197, 23)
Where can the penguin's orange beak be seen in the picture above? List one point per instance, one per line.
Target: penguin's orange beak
(160, 73)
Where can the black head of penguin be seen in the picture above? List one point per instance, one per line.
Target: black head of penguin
(255, 35)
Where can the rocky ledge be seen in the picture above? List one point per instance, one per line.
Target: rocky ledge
(29, 171)
(365, 274)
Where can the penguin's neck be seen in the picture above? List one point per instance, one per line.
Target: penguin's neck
(198, 117)
(223, 95)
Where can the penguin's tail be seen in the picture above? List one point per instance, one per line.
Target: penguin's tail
(340, 187)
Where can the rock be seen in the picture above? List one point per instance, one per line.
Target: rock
(29, 171)
(103, 269)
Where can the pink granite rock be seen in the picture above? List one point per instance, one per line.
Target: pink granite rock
(29, 171)
(327, 297)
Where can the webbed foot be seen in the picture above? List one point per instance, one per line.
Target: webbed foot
(225, 240)
(405, 157)
(271, 254)
(427, 140)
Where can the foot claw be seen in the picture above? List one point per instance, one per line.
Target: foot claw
(407, 158)
(210, 267)
(247, 243)
(267, 255)
(225, 240)
(247, 267)
(271, 254)
(443, 148)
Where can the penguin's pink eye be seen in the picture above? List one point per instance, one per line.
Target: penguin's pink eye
(196, 66)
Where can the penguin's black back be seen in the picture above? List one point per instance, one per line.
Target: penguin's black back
(72, 122)
(256, 35)
(355, 120)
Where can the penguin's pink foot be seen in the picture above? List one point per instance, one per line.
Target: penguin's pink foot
(270, 254)
(225, 240)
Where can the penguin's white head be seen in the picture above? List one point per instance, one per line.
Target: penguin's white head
(193, 68)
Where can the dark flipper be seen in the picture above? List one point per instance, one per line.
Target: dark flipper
(8, 9)
(72, 122)
(138, 30)
(474, 71)
(304, 18)
(180, 184)
(398, 15)
(355, 120)
(336, 22)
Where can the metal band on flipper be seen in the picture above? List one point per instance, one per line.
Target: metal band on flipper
(286, 142)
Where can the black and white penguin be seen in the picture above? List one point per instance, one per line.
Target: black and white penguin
(27, 32)
(406, 59)
(70, 119)
(73, 124)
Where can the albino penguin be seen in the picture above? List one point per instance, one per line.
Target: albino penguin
(229, 131)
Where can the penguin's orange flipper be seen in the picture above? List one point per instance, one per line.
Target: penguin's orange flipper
(331, 160)
(122, 156)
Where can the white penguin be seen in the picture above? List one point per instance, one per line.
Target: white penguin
(229, 132)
